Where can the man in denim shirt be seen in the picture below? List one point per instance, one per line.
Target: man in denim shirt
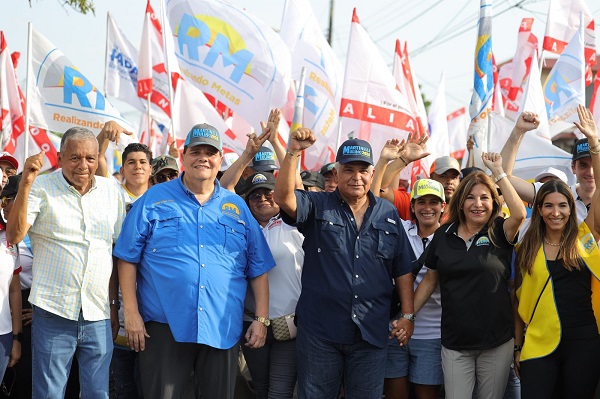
(355, 247)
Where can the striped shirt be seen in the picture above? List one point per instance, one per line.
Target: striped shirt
(71, 239)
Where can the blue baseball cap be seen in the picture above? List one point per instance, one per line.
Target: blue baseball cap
(355, 150)
(264, 160)
(204, 134)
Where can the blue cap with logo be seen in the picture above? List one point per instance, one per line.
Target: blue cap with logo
(581, 149)
(355, 150)
(204, 134)
(264, 160)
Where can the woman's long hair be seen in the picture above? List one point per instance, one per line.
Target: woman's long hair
(454, 208)
(534, 237)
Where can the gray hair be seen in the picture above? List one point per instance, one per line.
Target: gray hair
(338, 166)
(78, 134)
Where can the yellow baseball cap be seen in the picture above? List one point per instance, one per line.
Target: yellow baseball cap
(424, 187)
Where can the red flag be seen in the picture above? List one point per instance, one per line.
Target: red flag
(595, 102)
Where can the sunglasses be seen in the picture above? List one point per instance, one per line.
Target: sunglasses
(258, 196)
(5, 200)
(167, 176)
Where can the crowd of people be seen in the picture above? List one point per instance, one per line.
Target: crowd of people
(341, 282)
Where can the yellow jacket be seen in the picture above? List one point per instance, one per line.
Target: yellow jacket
(544, 331)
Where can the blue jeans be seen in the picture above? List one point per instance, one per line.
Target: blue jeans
(6, 343)
(55, 340)
(323, 365)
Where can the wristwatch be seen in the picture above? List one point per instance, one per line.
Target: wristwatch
(18, 337)
(408, 316)
(264, 320)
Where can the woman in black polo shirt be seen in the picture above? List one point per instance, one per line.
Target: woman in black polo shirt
(470, 255)
(559, 273)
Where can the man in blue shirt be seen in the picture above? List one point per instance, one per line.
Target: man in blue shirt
(355, 247)
(191, 246)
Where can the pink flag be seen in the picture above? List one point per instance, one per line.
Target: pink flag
(372, 108)
(458, 121)
(563, 23)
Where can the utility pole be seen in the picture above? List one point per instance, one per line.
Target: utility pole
(330, 33)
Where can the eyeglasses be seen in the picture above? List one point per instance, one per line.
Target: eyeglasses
(166, 176)
(9, 171)
(258, 196)
(5, 200)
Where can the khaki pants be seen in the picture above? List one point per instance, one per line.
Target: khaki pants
(489, 366)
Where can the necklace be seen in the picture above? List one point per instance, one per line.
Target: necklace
(552, 245)
(468, 231)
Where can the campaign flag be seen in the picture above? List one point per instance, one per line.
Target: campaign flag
(371, 105)
(309, 49)
(154, 135)
(505, 73)
(534, 154)
(12, 121)
(153, 80)
(439, 143)
(483, 82)
(12, 106)
(564, 88)
(595, 102)
(62, 97)
(497, 101)
(527, 46)
(192, 108)
(533, 100)
(121, 77)
(231, 55)
(563, 24)
(458, 121)
(406, 83)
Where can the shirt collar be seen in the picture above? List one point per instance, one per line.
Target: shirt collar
(216, 193)
(69, 186)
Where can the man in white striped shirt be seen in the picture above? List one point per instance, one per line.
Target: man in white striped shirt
(73, 218)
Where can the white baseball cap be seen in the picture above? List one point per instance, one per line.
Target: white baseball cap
(550, 171)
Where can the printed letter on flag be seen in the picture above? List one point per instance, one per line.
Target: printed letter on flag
(323, 89)
(371, 106)
(62, 97)
(231, 55)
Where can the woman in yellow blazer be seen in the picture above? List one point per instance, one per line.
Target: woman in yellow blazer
(558, 272)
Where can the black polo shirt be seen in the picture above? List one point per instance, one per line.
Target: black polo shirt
(476, 306)
(347, 274)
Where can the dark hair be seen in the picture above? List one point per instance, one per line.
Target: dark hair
(534, 236)
(454, 208)
(136, 147)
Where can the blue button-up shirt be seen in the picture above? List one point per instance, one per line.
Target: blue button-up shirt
(193, 261)
(347, 274)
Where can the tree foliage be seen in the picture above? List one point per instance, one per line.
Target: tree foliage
(82, 6)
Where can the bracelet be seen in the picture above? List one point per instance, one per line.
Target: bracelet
(500, 177)
(292, 154)
(402, 159)
(518, 348)
(594, 152)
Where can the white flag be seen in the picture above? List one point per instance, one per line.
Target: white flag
(121, 67)
(62, 97)
(323, 89)
(231, 55)
(439, 143)
(192, 108)
(458, 121)
(533, 100)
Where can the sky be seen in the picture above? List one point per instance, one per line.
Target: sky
(423, 23)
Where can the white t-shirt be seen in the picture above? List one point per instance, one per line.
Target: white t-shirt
(285, 242)
(428, 320)
(9, 259)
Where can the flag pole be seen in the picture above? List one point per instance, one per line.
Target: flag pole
(163, 12)
(28, 90)
(106, 53)
(149, 118)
